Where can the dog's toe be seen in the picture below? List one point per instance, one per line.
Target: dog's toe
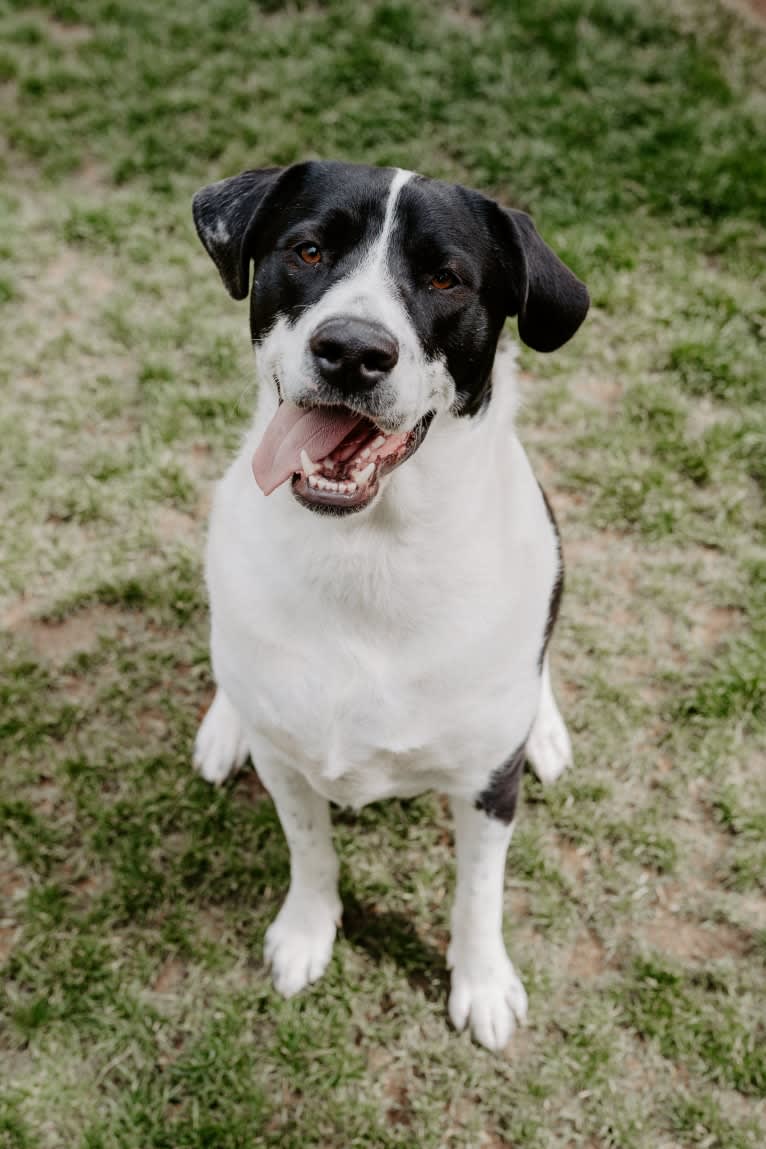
(299, 942)
(491, 1000)
(220, 747)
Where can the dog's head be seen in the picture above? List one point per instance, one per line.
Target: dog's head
(378, 299)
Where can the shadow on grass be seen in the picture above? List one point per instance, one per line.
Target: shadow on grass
(391, 935)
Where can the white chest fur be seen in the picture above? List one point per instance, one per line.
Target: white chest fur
(395, 652)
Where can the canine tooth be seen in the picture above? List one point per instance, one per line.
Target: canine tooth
(362, 476)
(309, 467)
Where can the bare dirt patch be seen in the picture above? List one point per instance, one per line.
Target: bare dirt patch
(465, 16)
(399, 1111)
(64, 33)
(756, 9)
(596, 389)
(170, 976)
(711, 624)
(70, 266)
(13, 885)
(175, 525)
(57, 641)
(575, 861)
(7, 938)
(693, 941)
(587, 958)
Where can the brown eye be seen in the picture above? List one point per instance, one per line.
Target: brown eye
(309, 253)
(444, 279)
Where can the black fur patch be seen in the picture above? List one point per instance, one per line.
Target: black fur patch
(498, 799)
(558, 585)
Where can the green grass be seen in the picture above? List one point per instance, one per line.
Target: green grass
(136, 1012)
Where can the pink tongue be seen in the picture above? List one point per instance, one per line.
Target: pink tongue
(316, 430)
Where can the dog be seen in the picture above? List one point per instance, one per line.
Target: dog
(384, 570)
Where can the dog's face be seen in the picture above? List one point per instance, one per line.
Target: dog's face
(378, 299)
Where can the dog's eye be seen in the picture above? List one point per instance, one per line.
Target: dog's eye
(444, 279)
(309, 253)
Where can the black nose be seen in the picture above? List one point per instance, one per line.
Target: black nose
(353, 354)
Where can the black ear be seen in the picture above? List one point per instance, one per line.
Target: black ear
(551, 302)
(224, 214)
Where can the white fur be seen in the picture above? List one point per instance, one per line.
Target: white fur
(485, 987)
(221, 746)
(549, 749)
(386, 653)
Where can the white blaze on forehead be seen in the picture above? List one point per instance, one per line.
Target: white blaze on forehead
(401, 177)
(367, 290)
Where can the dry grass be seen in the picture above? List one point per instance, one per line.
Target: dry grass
(134, 899)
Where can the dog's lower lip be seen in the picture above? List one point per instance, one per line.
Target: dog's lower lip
(339, 500)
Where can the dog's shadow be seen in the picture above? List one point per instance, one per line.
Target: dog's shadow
(392, 935)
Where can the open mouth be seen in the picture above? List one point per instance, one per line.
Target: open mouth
(348, 478)
(334, 457)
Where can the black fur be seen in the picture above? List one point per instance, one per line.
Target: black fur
(558, 586)
(498, 799)
(224, 215)
(502, 265)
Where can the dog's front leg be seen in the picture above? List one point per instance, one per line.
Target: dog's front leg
(486, 991)
(300, 939)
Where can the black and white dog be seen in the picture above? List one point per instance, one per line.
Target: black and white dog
(380, 620)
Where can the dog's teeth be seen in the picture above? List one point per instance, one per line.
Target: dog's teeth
(362, 476)
(366, 453)
(313, 481)
(377, 442)
(309, 468)
(332, 485)
(351, 487)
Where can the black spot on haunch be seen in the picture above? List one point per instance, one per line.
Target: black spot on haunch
(500, 796)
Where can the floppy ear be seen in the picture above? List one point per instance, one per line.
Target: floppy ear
(551, 302)
(224, 215)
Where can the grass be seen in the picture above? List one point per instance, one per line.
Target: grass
(136, 1010)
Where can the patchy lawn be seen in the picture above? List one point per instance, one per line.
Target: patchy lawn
(134, 897)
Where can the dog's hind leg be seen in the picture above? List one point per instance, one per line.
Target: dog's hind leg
(220, 747)
(299, 941)
(549, 750)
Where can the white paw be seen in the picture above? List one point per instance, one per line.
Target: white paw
(549, 749)
(220, 746)
(299, 941)
(489, 995)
